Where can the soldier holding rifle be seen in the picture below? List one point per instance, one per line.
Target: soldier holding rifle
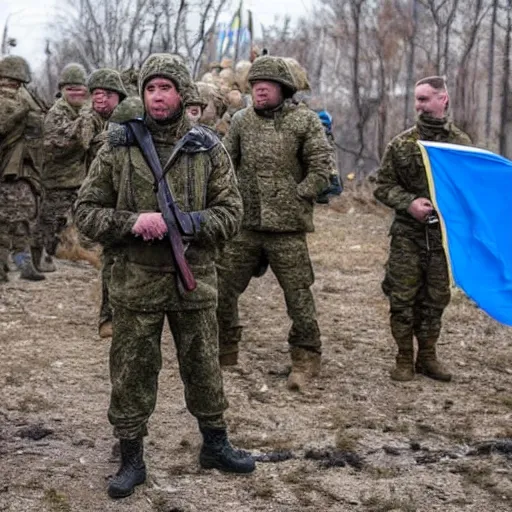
(152, 276)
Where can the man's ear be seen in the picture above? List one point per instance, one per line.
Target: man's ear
(446, 99)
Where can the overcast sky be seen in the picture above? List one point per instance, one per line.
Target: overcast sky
(28, 20)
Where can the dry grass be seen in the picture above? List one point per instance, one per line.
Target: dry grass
(353, 404)
(57, 501)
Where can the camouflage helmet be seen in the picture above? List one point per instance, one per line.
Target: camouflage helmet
(109, 79)
(167, 66)
(130, 108)
(15, 68)
(300, 75)
(273, 69)
(195, 98)
(72, 74)
(130, 79)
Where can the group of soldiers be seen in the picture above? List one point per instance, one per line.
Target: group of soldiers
(249, 199)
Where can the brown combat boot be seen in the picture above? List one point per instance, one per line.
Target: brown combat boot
(427, 363)
(404, 368)
(228, 345)
(105, 330)
(306, 364)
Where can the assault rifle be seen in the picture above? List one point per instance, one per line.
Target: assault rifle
(179, 223)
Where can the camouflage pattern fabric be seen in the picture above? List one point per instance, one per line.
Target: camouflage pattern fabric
(288, 258)
(108, 79)
(20, 171)
(65, 148)
(119, 185)
(167, 66)
(92, 136)
(107, 260)
(143, 286)
(416, 280)
(275, 69)
(18, 211)
(417, 284)
(72, 74)
(20, 138)
(282, 162)
(402, 178)
(55, 216)
(135, 362)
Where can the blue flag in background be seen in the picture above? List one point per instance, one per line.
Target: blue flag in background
(472, 191)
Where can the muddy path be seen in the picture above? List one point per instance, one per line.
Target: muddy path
(412, 442)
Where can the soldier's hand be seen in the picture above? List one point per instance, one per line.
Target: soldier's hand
(421, 208)
(150, 226)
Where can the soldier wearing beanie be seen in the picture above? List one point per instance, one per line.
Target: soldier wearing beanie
(117, 205)
(282, 160)
(21, 128)
(64, 167)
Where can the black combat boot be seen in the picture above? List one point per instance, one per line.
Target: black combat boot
(132, 471)
(217, 453)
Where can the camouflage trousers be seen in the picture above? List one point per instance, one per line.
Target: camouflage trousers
(136, 360)
(417, 285)
(18, 212)
(55, 215)
(106, 275)
(288, 257)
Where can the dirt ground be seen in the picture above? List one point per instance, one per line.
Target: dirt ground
(359, 441)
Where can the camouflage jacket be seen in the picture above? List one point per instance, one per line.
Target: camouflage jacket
(65, 149)
(93, 133)
(120, 185)
(402, 178)
(282, 162)
(21, 128)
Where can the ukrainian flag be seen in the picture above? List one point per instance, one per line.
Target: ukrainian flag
(471, 190)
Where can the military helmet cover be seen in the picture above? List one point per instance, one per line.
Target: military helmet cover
(128, 109)
(167, 66)
(73, 74)
(109, 79)
(273, 69)
(15, 68)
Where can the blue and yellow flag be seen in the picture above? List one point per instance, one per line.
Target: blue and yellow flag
(471, 190)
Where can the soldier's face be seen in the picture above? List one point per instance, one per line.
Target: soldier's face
(194, 113)
(75, 95)
(161, 99)
(104, 101)
(430, 101)
(266, 94)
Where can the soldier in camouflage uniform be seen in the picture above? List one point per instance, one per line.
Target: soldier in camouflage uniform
(21, 125)
(282, 159)
(117, 206)
(195, 105)
(64, 162)
(107, 91)
(417, 280)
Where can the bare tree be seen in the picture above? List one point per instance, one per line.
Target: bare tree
(490, 81)
(505, 110)
(122, 33)
(463, 107)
